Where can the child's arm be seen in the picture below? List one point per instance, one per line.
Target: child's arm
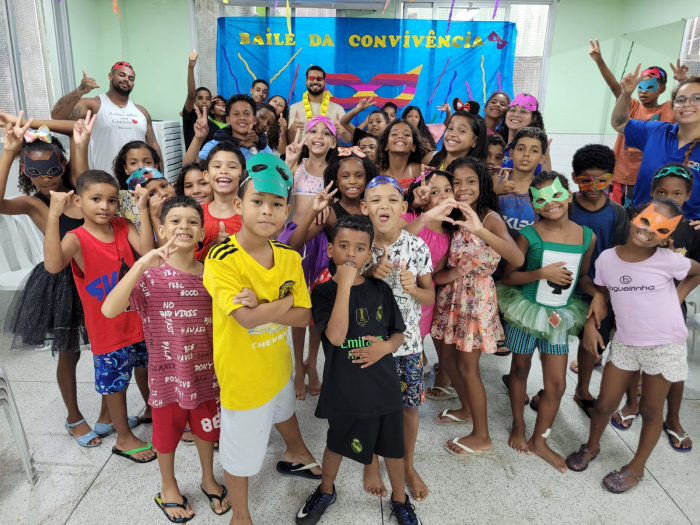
(57, 253)
(191, 87)
(293, 151)
(493, 232)
(251, 316)
(608, 75)
(599, 303)
(118, 299)
(369, 355)
(79, 145)
(201, 130)
(64, 127)
(306, 228)
(296, 317)
(419, 287)
(620, 115)
(337, 326)
(555, 272)
(691, 281)
(346, 120)
(144, 241)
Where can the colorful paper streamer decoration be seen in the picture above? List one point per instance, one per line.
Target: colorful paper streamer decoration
(115, 8)
(289, 19)
(469, 90)
(499, 81)
(438, 82)
(386, 4)
(449, 89)
(449, 17)
(495, 8)
(294, 83)
(483, 77)
(275, 9)
(286, 65)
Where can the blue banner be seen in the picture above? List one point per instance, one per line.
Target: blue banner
(408, 62)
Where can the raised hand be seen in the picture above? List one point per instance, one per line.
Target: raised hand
(193, 58)
(201, 125)
(13, 138)
(246, 297)
(408, 280)
(298, 125)
(594, 51)
(680, 71)
(557, 273)
(421, 194)
(221, 236)
(446, 108)
(281, 121)
(58, 202)
(471, 220)
(384, 266)
(294, 150)
(140, 194)
(629, 82)
(87, 84)
(441, 212)
(158, 256)
(323, 199)
(369, 355)
(364, 103)
(82, 129)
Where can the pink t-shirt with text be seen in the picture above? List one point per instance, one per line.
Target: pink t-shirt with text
(175, 308)
(643, 296)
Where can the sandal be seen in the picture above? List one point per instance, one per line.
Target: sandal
(534, 405)
(671, 434)
(164, 506)
(621, 424)
(502, 349)
(128, 454)
(184, 440)
(469, 452)
(616, 482)
(585, 404)
(85, 438)
(105, 429)
(578, 462)
(506, 381)
(212, 497)
(447, 393)
(454, 419)
(297, 469)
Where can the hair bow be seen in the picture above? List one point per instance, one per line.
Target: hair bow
(42, 133)
(460, 106)
(354, 150)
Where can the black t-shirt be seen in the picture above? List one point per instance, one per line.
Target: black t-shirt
(686, 240)
(188, 120)
(348, 389)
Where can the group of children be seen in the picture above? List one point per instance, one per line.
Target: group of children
(191, 287)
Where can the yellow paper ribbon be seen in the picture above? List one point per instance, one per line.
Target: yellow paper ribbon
(289, 19)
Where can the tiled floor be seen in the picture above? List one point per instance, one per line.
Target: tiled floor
(87, 486)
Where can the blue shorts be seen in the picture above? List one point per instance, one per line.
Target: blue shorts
(410, 370)
(520, 342)
(113, 370)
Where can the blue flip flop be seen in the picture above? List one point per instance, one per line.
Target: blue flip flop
(105, 429)
(85, 438)
(671, 434)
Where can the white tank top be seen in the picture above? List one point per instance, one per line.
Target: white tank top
(113, 128)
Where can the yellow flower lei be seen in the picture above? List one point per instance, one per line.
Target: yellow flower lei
(324, 104)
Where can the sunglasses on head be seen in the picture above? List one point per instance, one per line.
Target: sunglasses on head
(315, 78)
(383, 179)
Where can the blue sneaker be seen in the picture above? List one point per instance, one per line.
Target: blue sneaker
(315, 506)
(405, 513)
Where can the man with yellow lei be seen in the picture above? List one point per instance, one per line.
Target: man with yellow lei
(316, 102)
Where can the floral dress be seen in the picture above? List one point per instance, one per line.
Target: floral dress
(466, 311)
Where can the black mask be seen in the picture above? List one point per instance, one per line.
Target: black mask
(51, 167)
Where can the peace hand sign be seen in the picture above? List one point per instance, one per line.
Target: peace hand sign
(594, 51)
(323, 200)
(14, 134)
(629, 82)
(201, 125)
(82, 129)
(680, 71)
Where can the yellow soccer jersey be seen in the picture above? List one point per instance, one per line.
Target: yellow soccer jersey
(251, 365)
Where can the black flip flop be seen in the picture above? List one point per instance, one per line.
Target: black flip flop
(506, 381)
(212, 497)
(533, 405)
(164, 506)
(585, 404)
(297, 469)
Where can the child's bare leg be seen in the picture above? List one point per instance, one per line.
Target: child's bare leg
(441, 378)
(586, 364)
(67, 384)
(372, 478)
(631, 405)
(296, 452)
(554, 375)
(470, 376)
(519, 370)
(116, 403)
(673, 421)
(298, 340)
(238, 495)
(141, 376)
(205, 449)
(331, 464)
(395, 469)
(169, 491)
(410, 434)
(310, 364)
(448, 363)
(104, 416)
(652, 409)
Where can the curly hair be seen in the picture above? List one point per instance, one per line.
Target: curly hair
(488, 200)
(478, 127)
(531, 133)
(180, 181)
(358, 223)
(330, 174)
(24, 183)
(273, 133)
(422, 127)
(119, 163)
(551, 176)
(593, 156)
(415, 156)
(688, 179)
(240, 98)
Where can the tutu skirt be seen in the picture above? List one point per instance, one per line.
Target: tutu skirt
(533, 318)
(46, 308)
(314, 255)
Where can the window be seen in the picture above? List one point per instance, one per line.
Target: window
(531, 21)
(690, 52)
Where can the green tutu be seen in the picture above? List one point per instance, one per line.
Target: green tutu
(533, 318)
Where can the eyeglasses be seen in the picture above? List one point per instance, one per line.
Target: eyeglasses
(315, 78)
(679, 102)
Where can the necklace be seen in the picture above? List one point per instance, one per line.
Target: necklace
(324, 104)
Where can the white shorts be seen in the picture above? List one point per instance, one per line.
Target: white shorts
(245, 433)
(669, 360)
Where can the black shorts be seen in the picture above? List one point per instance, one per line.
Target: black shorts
(360, 439)
(606, 327)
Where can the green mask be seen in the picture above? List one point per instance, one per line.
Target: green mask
(552, 193)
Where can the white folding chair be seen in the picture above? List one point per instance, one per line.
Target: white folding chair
(7, 402)
(34, 237)
(11, 279)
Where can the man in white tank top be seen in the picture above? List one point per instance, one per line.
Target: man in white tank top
(119, 120)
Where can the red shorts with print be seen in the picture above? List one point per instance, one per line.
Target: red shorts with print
(170, 421)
